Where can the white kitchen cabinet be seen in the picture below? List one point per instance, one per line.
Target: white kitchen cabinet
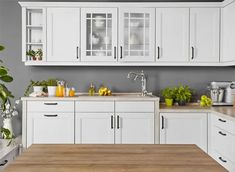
(134, 128)
(136, 34)
(172, 34)
(94, 128)
(204, 34)
(63, 34)
(222, 140)
(184, 128)
(50, 128)
(228, 33)
(99, 34)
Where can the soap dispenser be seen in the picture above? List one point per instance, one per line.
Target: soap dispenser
(91, 90)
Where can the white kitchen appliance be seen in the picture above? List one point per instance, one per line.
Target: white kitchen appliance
(221, 93)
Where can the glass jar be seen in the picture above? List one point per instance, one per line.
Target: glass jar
(60, 89)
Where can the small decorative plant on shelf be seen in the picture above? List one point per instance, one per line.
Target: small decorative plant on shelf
(51, 87)
(183, 94)
(168, 94)
(35, 55)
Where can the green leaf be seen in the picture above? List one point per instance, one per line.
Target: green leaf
(1, 48)
(6, 78)
(6, 133)
(3, 71)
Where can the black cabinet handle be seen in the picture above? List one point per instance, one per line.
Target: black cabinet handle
(221, 120)
(158, 52)
(115, 52)
(51, 115)
(50, 103)
(221, 159)
(77, 49)
(118, 122)
(4, 163)
(112, 122)
(223, 134)
(192, 53)
(120, 52)
(162, 122)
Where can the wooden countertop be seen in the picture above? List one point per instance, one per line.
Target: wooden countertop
(114, 158)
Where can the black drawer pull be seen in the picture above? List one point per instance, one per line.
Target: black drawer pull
(111, 121)
(51, 115)
(118, 122)
(221, 159)
(162, 122)
(50, 103)
(221, 120)
(223, 134)
(4, 163)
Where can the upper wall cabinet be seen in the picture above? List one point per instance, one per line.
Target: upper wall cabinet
(99, 34)
(136, 34)
(228, 33)
(204, 34)
(63, 32)
(172, 34)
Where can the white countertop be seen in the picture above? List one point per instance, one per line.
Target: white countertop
(83, 96)
(4, 149)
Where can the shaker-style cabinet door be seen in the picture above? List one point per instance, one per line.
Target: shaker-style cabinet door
(136, 35)
(172, 34)
(204, 34)
(63, 30)
(134, 128)
(94, 128)
(99, 34)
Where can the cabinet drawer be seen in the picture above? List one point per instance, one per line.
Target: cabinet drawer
(223, 142)
(94, 106)
(134, 106)
(50, 106)
(226, 163)
(224, 124)
(8, 158)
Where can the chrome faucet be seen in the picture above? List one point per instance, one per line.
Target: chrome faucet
(142, 76)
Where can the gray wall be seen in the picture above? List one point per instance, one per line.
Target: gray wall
(80, 77)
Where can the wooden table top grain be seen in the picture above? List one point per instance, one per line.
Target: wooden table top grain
(114, 158)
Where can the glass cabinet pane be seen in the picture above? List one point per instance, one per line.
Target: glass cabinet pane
(99, 34)
(136, 34)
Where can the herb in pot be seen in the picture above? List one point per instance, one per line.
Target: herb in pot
(168, 94)
(183, 94)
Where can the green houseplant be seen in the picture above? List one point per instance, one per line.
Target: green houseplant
(168, 94)
(35, 55)
(38, 86)
(51, 87)
(183, 94)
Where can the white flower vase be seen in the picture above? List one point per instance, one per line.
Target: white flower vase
(37, 89)
(51, 91)
(7, 124)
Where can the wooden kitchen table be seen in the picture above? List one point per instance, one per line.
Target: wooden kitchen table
(114, 158)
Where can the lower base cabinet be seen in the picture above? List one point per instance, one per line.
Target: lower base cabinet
(50, 128)
(184, 128)
(106, 128)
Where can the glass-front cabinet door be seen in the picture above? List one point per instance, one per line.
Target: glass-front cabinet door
(99, 34)
(137, 34)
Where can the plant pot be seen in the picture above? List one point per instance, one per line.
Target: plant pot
(51, 91)
(37, 89)
(7, 124)
(169, 102)
(181, 103)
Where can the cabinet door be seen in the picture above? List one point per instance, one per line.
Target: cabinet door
(94, 128)
(50, 128)
(184, 128)
(136, 34)
(99, 34)
(228, 33)
(63, 29)
(134, 128)
(172, 34)
(204, 34)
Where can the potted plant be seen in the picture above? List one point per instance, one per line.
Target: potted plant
(35, 55)
(182, 94)
(51, 87)
(38, 86)
(168, 94)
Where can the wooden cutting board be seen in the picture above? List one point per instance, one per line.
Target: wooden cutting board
(114, 158)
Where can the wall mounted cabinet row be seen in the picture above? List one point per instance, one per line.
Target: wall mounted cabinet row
(121, 35)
